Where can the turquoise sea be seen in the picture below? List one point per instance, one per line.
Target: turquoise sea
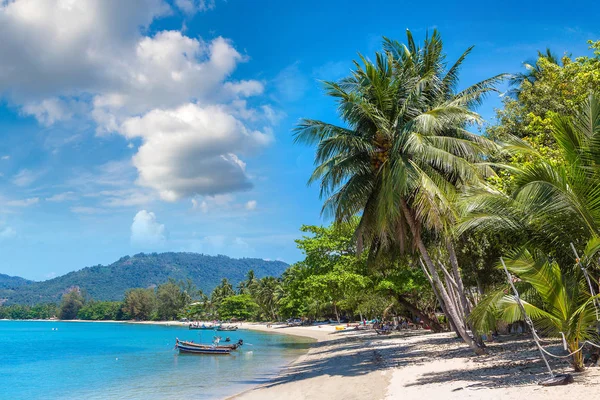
(82, 360)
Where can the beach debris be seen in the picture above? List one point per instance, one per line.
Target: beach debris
(557, 380)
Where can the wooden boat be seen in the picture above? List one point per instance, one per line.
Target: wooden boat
(199, 350)
(227, 328)
(204, 327)
(233, 346)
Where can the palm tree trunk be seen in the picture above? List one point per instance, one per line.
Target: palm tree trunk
(439, 298)
(452, 311)
(464, 302)
(457, 278)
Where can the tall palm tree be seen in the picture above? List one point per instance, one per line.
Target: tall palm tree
(404, 152)
(247, 286)
(268, 290)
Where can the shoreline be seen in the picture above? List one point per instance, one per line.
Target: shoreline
(350, 364)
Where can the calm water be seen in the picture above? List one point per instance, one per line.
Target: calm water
(126, 361)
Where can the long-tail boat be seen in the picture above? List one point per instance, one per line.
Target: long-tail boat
(201, 350)
(227, 328)
(233, 346)
(204, 327)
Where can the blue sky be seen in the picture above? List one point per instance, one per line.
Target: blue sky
(166, 126)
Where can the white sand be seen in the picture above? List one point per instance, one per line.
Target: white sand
(413, 365)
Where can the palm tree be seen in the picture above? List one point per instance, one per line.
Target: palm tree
(247, 286)
(557, 300)
(404, 152)
(555, 201)
(268, 290)
(533, 71)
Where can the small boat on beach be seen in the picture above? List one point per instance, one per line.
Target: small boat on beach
(201, 350)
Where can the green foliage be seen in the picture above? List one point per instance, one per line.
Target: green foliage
(556, 298)
(39, 311)
(172, 298)
(139, 304)
(101, 311)
(240, 307)
(551, 88)
(70, 305)
(221, 292)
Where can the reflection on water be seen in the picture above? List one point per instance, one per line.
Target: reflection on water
(130, 361)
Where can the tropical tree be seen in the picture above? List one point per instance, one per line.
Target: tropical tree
(173, 297)
(554, 203)
(557, 299)
(249, 284)
(267, 292)
(221, 292)
(139, 303)
(240, 306)
(404, 154)
(71, 304)
(533, 71)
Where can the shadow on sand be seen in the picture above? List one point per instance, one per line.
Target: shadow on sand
(512, 360)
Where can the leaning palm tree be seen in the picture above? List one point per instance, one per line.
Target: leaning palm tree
(557, 300)
(404, 153)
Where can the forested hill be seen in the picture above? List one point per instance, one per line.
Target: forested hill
(11, 282)
(143, 270)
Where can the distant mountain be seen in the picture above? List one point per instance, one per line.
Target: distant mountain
(142, 270)
(8, 285)
(11, 282)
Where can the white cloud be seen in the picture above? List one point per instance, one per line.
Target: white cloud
(146, 231)
(220, 201)
(60, 197)
(91, 59)
(48, 111)
(191, 7)
(4, 158)
(251, 205)
(191, 151)
(23, 202)
(25, 177)
(126, 197)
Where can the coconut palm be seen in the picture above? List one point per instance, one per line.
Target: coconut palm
(533, 71)
(557, 299)
(267, 294)
(556, 201)
(404, 153)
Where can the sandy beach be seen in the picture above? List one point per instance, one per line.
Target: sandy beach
(354, 364)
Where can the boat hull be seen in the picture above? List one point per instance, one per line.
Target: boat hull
(208, 346)
(199, 350)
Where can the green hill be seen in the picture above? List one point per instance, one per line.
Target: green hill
(12, 282)
(142, 270)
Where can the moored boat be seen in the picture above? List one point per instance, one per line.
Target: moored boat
(227, 328)
(204, 327)
(201, 350)
(233, 346)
